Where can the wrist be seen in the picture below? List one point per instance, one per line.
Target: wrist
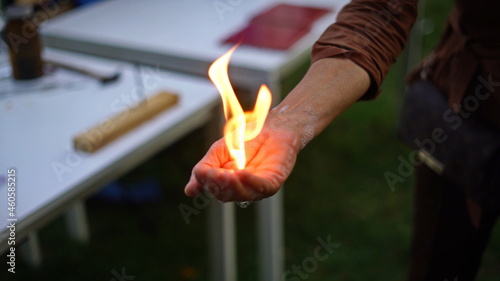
(295, 125)
(329, 87)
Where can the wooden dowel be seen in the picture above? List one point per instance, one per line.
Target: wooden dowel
(98, 136)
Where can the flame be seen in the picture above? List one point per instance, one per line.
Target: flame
(240, 126)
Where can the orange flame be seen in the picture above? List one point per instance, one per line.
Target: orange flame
(240, 126)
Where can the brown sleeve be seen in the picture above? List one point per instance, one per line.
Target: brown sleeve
(371, 33)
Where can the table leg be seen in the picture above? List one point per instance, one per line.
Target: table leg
(270, 230)
(76, 221)
(222, 241)
(221, 218)
(30, 250)
(270, 220)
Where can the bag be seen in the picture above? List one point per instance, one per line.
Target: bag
(457, 146)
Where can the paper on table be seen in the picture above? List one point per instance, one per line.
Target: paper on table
(290, 16)
(278, 27)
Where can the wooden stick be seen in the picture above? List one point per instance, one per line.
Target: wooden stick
(98, 136)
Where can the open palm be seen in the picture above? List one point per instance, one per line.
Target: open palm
(270, 160)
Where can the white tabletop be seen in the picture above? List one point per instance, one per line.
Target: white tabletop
(180, 35)
(37, 127)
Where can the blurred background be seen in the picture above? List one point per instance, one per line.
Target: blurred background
(337, 189)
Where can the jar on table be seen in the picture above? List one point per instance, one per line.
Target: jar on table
(21, 35)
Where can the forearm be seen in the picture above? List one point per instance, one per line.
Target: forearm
(371, 33)
(330, 86)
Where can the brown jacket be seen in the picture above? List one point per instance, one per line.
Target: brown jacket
(372, 33)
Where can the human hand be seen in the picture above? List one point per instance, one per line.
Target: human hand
(330, 86)
(270, 159)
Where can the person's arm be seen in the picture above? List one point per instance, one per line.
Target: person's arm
(371, 33)
(349, 62)
(329, 87)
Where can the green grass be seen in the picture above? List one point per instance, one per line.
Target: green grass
(337, 189)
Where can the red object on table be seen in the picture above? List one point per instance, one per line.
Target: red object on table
(290, 16)
(278, 27)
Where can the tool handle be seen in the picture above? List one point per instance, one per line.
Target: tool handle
(98, 136)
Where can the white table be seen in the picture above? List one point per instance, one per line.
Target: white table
(37, 127)
(186, 36)
(182, 35)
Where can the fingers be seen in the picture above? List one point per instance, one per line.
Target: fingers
(261, 187)
(229, 185)
(267, 168)
(224, 185)
(193, 187)
(232, 185)
(211, 159)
